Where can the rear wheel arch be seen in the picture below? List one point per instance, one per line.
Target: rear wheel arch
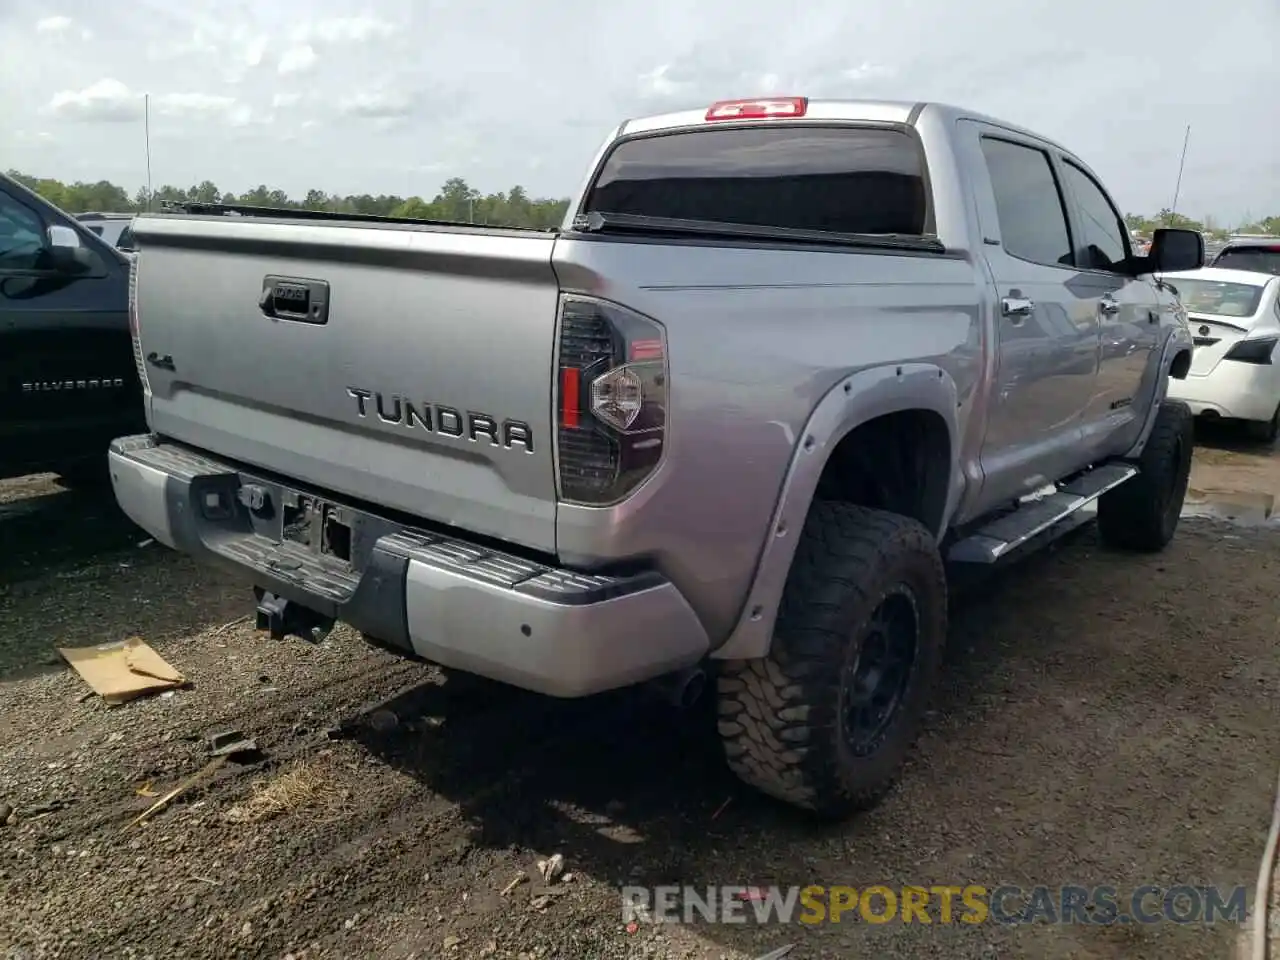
(899, 410)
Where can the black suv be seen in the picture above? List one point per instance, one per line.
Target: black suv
(66, 359)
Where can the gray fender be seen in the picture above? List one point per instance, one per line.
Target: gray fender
(851, 402)
(1178, 340)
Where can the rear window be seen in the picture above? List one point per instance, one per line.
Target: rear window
(1262, 259)
(838, 179)
(1217, 299)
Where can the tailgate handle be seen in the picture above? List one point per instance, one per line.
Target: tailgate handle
(292, 298)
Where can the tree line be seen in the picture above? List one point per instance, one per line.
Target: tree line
(1168, 218)
(457, 201)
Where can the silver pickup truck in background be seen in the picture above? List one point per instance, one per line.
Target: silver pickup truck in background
(783, 363)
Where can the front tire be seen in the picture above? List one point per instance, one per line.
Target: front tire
(825, 721)
(1142, 513)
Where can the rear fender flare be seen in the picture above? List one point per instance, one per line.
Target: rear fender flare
(853, 401)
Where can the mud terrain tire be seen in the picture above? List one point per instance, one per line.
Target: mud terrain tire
(865, 602)
(1142, 513)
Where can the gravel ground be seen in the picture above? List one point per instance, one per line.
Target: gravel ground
(1106, 719)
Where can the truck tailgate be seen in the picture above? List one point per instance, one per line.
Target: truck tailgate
(406, 367)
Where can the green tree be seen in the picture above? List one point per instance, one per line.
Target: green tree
(1167, 218)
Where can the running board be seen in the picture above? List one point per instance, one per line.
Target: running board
(1037, 515)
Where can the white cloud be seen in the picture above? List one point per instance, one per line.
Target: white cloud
(253, 52)
(199, 43)
(869, 71)
(377, 105)
(242, 115)
(110, 101)
(55, 24)
(286, 99)
(187, 104)
(297, 59)
(351, 29)
(107, 101)
(658, 83)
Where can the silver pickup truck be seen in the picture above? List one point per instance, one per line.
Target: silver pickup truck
(784, 362)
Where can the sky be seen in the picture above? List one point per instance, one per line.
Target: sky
(395, 96)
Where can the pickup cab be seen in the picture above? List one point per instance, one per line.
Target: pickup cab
(69, 382)
(785, 364)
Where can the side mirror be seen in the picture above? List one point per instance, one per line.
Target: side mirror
(66, 253)
(1175, 249)
(60, 236)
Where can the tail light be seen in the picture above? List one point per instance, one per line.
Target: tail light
(135, 333)
(1252, 351)
(611, 400)
(763, 109)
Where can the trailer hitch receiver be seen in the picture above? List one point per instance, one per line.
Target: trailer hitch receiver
(283, 618)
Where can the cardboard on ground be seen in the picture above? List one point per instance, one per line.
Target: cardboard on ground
(122, 671)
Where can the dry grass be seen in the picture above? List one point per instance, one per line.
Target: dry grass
(311, 784)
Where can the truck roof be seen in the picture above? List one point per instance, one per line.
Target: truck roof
(881, 111)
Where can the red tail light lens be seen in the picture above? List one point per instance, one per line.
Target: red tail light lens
(759, 109)
(135, 332)
(611, 401)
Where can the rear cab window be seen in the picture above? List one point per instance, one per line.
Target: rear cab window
(1260, 258)
(832, 178)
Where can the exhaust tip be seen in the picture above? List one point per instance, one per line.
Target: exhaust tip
(679, 690)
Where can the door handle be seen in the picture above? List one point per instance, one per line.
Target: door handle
(1017, 308)
(1108, 306)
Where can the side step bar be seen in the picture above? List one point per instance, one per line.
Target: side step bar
(1037, 515)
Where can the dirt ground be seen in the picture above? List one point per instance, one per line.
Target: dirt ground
(1106, 719)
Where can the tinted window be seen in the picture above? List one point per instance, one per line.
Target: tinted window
(1033, 221)
(1102, 231)
(1259, 259)
(848, 180)
(22, 238)
(1218, 299)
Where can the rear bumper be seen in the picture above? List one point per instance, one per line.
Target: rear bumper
(446, 599)
(1243, 391)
